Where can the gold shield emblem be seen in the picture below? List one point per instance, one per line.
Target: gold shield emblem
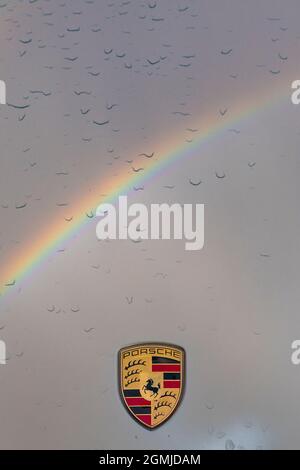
(151, 381)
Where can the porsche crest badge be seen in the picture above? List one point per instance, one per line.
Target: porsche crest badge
(151, 381)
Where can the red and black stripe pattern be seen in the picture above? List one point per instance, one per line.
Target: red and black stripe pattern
(171, 369)
(140, 407)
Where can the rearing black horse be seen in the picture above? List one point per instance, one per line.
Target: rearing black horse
(149, 387)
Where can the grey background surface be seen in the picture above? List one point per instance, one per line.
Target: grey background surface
(234, 306)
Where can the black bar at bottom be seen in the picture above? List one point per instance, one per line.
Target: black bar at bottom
(139, 459)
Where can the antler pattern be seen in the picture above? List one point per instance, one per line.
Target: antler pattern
(132, 372)
(162, 403)
(169, 395)
(132, 381)
(135, 363)
(158, 415)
